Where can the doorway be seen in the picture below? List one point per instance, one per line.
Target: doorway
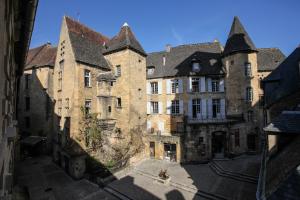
(251, 142)
(152, 149)
(218, 144)
(170, 152)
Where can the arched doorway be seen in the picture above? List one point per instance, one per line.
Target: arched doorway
(218, 144)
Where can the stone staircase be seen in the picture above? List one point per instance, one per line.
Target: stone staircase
(218, 169)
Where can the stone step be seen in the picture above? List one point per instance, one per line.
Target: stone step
(236, 173)
(232, 175)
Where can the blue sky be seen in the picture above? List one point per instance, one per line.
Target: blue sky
(270, 23)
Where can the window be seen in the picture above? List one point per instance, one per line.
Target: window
(195, 84)
(250, 116)
(154, 87)
(111, 83)
(27, 103)
(60, 75)
(67, 103)
(87, 106)
(119, 103)
(109, 109)
(87, 78)
(175, 107)
(196, 107)
(27, 122)
(59, 106)
(175, 86)
(196, 66)
(118, 70)
(150, 71)
(248, 71)
(154, 107)
(249, 94)
(27, 79)
(216, 107)
(237, 138)
(215, 85)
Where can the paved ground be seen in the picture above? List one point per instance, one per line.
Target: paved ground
(46, 181)
(188, 181)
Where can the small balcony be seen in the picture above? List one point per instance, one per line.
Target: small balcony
(201, 119)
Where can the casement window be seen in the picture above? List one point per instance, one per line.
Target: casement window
(250, 116)
(67, 103)
(154, 87)
(237, 138)
(154, 107)
(59, 106)
(27, 122)
(175, 108)
(195, 84)
(119, 102)
(27, 79)
(196, 107)
(175, 86)
(248, 70)
(87, 106)
(215, 85)
(27, 103)
(60, 74)
(87, 78)
(249, 94)
(118, 71)
(216, 107)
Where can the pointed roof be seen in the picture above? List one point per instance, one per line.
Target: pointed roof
(125, 39)
(238, 39)
(42, 56)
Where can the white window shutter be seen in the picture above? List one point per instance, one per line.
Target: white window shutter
(203, 108)
(160, 108)
(189, 88)
(149, 125)
(161, 126)
(209, 84)
(148, 88)
(202, 84)
(169, 103)
(180, 86)
(159, 87)
(168, 83)
(209, 108)
(221, 85)
(181, 106)
(223, 108)
(148, 108)
(190, 109)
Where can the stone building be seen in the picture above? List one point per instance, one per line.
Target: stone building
(95, 75)
(280, 167)
(16, 24)
(36, 96)
(203, 101)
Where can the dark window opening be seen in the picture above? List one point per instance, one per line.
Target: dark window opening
(119, 102)
(27, 122)
(27, 103)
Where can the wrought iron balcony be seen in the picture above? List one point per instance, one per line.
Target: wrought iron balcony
(207, 119)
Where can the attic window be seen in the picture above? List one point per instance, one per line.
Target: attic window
(196, 66)
(150, 70)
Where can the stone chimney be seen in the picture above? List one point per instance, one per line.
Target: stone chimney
(168, 48)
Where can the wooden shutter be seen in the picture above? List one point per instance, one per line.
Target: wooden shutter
(168, 83)
(203, 108)
(209, 84)
(180, 85)
(148, 88)
(169, 103)
(221, 85)
(190, 108)
(202, 84)
(189, 85)
(159, 87)
(148, 108)
(160, 108)
(181, 106)
(209, 108)
(223, 108)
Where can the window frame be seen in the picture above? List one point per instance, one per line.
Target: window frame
(119, 102)
(175, 107)
(249, 94)
(215, 85)
(154, 105)
(87, 78)
(154, 87)
(118, 71)
(87, 106)
(175, 86)
(195, 82)
(248, 69)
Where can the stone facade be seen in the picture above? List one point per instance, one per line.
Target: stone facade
(15, 36)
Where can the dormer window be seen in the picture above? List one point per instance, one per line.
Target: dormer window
(195, 66)
(150, 70)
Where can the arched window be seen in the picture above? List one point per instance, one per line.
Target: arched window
(249, 94)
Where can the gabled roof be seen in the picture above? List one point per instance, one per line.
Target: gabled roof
(238, 39)
(124, 39)
(269, 58)
(178, 60)
(41, 56)
(87, 44)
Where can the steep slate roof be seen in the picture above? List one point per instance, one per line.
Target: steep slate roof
(238, 39)
(179, 59)
(269, 58)
(124, 39)
(87, 44)
(286, 77)
(286, 122)
(41, 56)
